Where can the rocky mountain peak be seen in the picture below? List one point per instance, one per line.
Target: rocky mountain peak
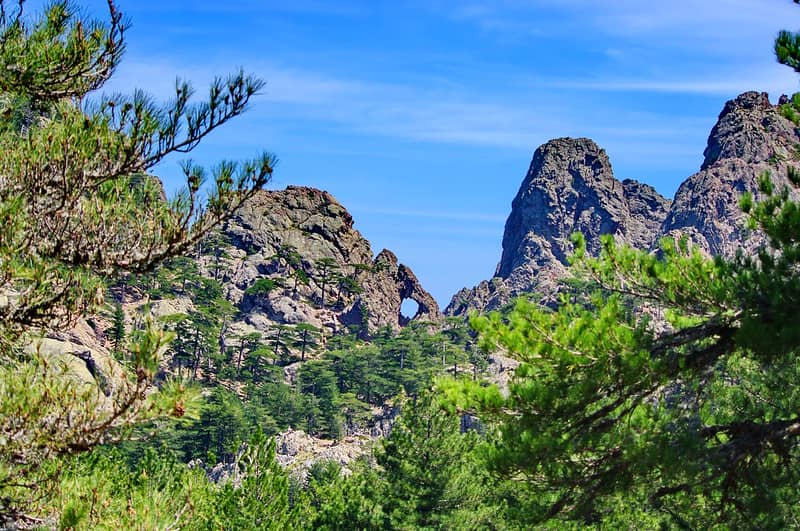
(294, 256)
(749, 128)
(570, 187)
(750, 137)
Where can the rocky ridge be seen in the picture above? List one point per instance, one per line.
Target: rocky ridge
(319, 269)
(284, 240)
(570, 187)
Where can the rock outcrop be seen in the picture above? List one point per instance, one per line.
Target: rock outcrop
(570, 187)
(297, 452)
(81, 351)
(648, 209)
(294, 256)
(750, 138)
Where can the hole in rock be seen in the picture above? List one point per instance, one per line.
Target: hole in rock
(408, 309)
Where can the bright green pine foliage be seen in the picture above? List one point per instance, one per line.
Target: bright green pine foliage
(667, 391)
(665, 396)
(102, 491)
(343, 503)
(76, 208)
(432, 475)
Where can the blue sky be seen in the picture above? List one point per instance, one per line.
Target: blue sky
(421, 117)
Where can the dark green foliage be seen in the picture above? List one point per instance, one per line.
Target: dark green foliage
(686, 414)
(791, 110)
(408, 361)
(246, 348)
(347, 286)
(288, 258)
(432, 477)
(262, 499)
(787, 52)
(336, 503)
(263, 286)
(215, 243)
(287, 406)
(787, 49)
(318, 383)
(220, 430)
(199, 335)
(280, 340)
(356, 413)
(118, 327)
(177, 276)
(325, 270)
(259, 366)
(306, 338)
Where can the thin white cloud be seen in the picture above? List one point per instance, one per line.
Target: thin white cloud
(283, 85)
(677, 22)
(478, 217)
(528, 113)
(361, 106)
(777, 79)
(730, 20)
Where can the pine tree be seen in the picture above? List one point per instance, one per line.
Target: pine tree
(326, 270)
(118, 326)
(431, 473)
(691, 420)
(318, 383)
(281, 338)
(307, 338)
(664, 396)
(260, 501)
(77, 205)
(255, 366)
(247, 344)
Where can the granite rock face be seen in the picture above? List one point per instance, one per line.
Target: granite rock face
(286, 257)
(294, 256)
(647, 209)
(570, 187)
(750, 138)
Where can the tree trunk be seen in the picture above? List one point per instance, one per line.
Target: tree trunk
(303, 348)
(196, 354)
(239, 361)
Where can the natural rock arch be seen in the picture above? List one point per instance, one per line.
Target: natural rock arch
(385, 290)
(409, 309)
